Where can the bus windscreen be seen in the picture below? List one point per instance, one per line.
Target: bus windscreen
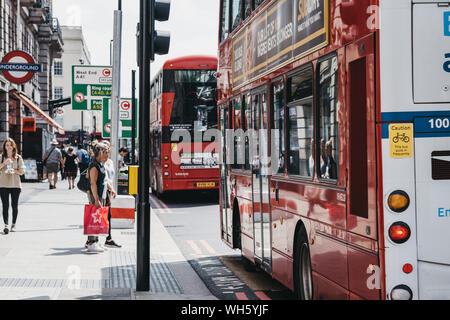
(195, 103)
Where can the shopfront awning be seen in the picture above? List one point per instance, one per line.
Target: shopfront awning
(38, 111)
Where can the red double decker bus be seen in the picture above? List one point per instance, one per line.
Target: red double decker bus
(183, 109)
(335, 144)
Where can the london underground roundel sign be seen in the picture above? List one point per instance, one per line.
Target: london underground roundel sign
(19, 67)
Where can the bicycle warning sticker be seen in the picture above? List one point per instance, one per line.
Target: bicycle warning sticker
(401, 140)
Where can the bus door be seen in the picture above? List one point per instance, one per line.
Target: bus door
(224, 177)
(260, 180)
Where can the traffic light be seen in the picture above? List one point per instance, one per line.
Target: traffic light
(160, 40)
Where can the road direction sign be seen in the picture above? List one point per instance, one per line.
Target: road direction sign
(60, 102)
(19, 67)
(90, 84)
(124, 118)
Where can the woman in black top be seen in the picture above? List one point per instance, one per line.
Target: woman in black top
(97, 179)
(70, 167)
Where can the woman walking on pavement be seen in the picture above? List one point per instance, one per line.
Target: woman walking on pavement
(97, 179)
(70, 167)
(110, 192)
(11, 168)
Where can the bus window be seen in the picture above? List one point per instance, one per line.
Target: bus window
(278, 154)
(195, 100)
(248, 8)
(328, 119)
(258, 3)
(247, 118)
(224, 25)
(236, 16)
(300, 124)
(238, 137)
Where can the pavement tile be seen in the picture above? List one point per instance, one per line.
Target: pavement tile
(46, 255)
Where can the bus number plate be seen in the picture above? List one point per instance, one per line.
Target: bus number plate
(205, 184)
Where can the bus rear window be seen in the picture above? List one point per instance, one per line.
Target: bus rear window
(195, 100)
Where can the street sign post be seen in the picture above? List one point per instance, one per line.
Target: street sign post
(90, 84)
(19, 67)
(125, 118)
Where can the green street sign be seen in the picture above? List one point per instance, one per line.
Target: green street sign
(125, 120)
(90, 84)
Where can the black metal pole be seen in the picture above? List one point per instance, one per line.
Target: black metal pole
(133, 116)
(143, 210)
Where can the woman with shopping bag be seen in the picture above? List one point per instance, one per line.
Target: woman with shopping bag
(97, 182)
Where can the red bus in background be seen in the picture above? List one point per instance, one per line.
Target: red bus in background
(351, 115)
(183, 109)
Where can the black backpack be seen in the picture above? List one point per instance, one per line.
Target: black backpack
(84, 184)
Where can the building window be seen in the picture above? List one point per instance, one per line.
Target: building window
(58, 93)
(58, 68)
(328, 119)
(300, 124)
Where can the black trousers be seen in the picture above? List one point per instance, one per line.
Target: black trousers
(4, 194)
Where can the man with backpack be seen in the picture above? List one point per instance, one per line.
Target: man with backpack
(83, 159)
(52, 159)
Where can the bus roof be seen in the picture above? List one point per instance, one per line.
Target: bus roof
(191, 62)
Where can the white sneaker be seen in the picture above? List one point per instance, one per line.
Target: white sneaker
(13, 228)
(94, 248)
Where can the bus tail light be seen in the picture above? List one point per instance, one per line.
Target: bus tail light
(401, 292)
(166, 158)
(166, 166)
(399, 232)
(166, 174)
(398, 201)
(407, 268)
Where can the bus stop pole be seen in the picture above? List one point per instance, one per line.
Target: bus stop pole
(143, 208)
(115, 94)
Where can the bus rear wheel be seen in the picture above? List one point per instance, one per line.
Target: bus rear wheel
(303, 283)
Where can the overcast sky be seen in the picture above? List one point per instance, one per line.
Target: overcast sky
(193, 25)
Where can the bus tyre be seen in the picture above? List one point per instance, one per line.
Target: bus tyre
(247, 264)
(303, 284)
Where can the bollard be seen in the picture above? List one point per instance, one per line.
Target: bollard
(123, 212)
(133, 180)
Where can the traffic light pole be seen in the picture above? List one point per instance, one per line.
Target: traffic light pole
(143, 210)
(133, 116)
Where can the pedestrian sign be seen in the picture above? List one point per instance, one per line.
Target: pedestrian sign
(90, 84)
(125, 118)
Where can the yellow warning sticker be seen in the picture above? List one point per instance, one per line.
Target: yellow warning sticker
(174, 147)
(401, 140)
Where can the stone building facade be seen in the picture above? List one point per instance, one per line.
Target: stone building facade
(28, 25)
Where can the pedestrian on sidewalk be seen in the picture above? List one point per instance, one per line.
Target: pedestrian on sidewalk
(63, 154)
(97, 179)
(83, 158)
(11, 168)
(53, 158)
(70, 167)
(110, 192)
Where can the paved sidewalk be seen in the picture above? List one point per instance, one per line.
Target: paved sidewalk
(46, 258)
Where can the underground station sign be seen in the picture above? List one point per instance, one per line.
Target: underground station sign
(19, 67)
